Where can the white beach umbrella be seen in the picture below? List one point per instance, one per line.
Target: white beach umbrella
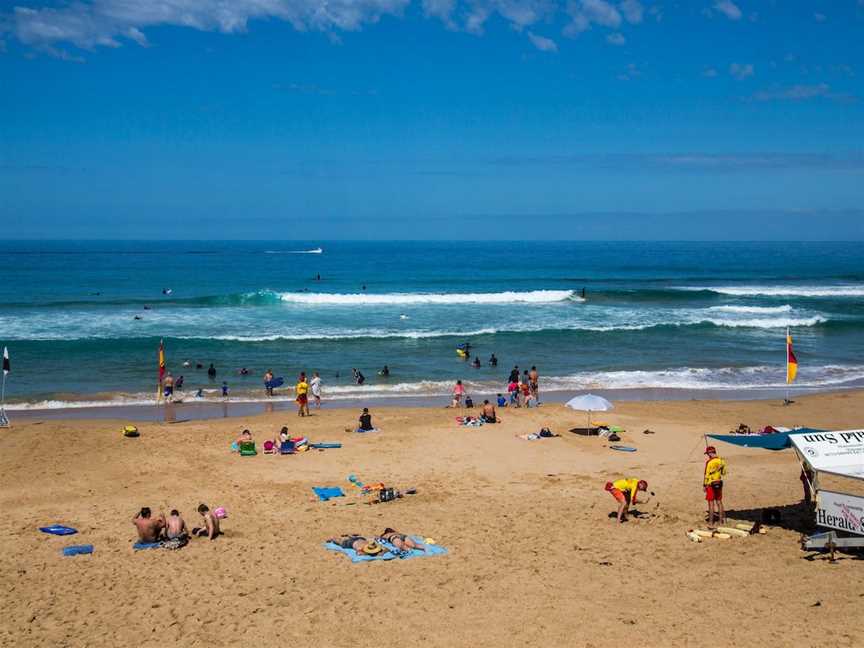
(589, 403)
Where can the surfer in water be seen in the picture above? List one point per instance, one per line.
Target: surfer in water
(385, 372)
(583, 293)
(268, 382)
(493, 361)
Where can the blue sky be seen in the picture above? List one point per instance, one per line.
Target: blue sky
(704, 119)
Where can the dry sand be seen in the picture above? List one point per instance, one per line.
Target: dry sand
(534, 560)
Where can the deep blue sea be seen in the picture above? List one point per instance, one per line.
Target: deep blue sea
(665, 315)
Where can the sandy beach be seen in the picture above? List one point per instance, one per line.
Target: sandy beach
(534, 559)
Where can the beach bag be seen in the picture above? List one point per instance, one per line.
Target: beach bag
(546, 433)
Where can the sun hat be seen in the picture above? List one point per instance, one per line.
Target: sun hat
(642, 484)
(372, 548)
(710, 449)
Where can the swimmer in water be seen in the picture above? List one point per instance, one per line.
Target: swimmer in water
(137, 317)
(476, 362)
(167, 291)
(385, 371)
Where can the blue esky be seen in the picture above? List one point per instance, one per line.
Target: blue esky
(704, 119)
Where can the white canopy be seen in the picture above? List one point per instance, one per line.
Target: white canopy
(838, 453)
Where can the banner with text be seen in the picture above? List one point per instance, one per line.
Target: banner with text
(840, 511)
(840, 452)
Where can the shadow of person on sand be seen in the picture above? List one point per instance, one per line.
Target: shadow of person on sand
(792, 517)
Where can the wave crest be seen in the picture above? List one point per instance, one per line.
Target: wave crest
(378, 299)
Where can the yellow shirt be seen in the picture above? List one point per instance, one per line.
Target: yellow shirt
(715, 470)
(302, 388)
(625, 485)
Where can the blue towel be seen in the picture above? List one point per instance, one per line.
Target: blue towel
(391, 553)
(325, 445)
(359, 431)
(324, 493)
(138, 546)
(74, 550)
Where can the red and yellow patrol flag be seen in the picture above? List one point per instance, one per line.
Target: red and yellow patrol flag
(161, 361)
(791, 360)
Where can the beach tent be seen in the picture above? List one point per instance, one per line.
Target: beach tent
(589, 403)
(839, 453)
(775, 441)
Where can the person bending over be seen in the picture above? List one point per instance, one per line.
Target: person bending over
(365, 421)
(211, 524)
(624, 491)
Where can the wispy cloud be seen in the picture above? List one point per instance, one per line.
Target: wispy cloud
(616, 38)
(802, 92)
(542, 43)
(585, 13)
(728, 9)
(709, 72)
(819, 17)
(741, 71)
(631, 72)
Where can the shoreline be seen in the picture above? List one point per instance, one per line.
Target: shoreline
(208, 410)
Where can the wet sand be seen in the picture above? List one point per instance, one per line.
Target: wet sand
(534, 558)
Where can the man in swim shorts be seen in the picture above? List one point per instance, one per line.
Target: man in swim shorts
(268, 379)
(534, 383)
(624, 491)
(168, 386)
(175, 526)
(211, 524)
(488, 413)
(150, 529)
(712, 483)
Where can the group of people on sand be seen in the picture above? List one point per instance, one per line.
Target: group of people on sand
(627, 489)
(173, 527)
(363, 545)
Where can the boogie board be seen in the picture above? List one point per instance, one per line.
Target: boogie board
(622, 448)
(276, 382)
(58, 529)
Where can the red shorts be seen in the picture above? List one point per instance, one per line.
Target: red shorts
(302, 399)
(617, 494)
(714, 492)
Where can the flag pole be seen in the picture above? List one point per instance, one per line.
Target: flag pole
(787, 367)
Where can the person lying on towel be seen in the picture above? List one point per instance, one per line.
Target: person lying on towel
(399, 540)
(358, 543)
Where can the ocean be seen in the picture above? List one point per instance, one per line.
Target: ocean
(83, 320)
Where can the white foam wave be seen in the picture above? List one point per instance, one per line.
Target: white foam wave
(752, 310)
(690, 378)
(783, 291)
(312, 251)
(765, 323)
(366, 299)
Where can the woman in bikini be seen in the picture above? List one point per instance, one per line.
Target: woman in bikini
(399, 540)
(358, 543)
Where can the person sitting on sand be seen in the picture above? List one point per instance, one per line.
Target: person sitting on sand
(488, 413)
(624, 491)
(211, 524)
(150, 529)
(502, 402)
(245, 437)
(712, 484)
(358, 543)
(175, 526)
(365, 421)
(401, 541)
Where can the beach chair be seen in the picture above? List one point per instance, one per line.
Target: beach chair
(247, 449)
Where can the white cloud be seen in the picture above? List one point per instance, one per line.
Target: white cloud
(728, 9)
(741, 71)
(630, 72)
(616, 39)
(584, 13)
(802, 92)
(542, 43)
(632, 11)
(105, 22)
